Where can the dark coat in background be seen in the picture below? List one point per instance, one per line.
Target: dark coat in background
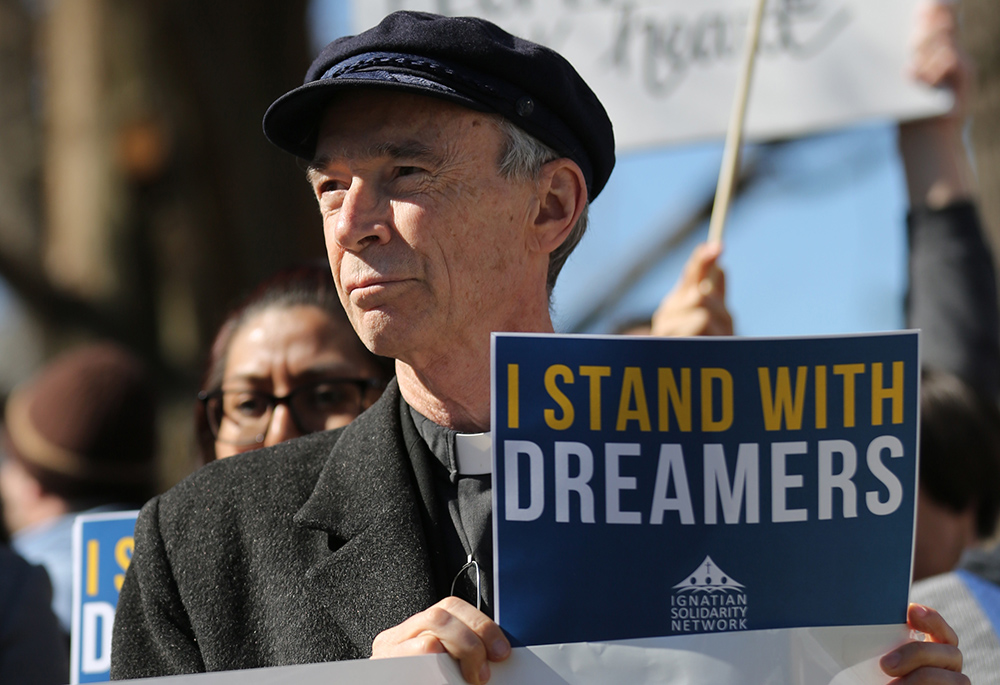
(953, 295)
(299, 553)
(33, 650)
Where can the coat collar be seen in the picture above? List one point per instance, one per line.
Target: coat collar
(378, 573)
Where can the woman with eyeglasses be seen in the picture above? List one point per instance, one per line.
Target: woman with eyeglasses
(286, 362)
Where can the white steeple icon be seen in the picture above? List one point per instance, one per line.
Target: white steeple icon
(708, 576)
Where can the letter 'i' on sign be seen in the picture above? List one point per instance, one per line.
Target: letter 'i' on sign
(93, 559)
(513, 408)
(848, 371)
(820, 397)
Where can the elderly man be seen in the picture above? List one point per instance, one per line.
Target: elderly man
(453, 164)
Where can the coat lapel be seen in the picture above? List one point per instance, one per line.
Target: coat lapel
(378, 572)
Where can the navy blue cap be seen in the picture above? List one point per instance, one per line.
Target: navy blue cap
(466, 60)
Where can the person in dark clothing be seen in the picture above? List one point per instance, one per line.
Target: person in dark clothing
(33, 649)
(959, 497)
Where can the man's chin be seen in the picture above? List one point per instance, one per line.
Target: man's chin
(380, 331)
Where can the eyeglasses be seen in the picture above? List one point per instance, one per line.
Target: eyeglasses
(243, 417)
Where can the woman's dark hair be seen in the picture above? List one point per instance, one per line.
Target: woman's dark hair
(308, 284)
(960, 448)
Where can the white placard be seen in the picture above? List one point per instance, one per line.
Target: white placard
(802, 656)
(435, 669)
(666, 70)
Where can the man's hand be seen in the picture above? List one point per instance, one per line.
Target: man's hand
(697, 304)
(451, 626)
(936, 661)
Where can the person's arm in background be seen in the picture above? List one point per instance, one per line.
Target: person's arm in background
(953, 293)
(697, 303)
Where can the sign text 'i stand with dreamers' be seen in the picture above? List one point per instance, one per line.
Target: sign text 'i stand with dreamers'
(649, 487)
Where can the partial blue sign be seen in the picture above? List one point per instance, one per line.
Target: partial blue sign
(652, 487)
(102, 551)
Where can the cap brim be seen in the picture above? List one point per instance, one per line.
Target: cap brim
(292, 121)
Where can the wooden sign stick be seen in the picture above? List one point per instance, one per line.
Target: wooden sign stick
(734, 136)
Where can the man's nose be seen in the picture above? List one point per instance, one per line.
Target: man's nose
(364, 217)
(282, 427)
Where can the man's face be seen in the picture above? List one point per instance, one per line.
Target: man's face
(429, 245)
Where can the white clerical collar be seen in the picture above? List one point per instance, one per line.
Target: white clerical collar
(475, 453)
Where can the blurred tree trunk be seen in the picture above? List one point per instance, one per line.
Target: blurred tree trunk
(155, 200)
(20, 175)
(232, 207)
(981, 34)
(164, 199)
(20, 163)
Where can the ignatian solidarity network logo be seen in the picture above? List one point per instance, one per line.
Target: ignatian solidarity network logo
(708, 601)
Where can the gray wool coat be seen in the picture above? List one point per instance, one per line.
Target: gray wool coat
(298, 553)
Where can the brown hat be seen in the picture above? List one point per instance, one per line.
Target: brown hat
(85, 426)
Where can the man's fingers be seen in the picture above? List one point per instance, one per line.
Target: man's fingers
(421, 644)
(473, 665)
(936, 661)
(469, 636)
(906, 659)
(451, 626)
(930, 622)
(454, 618)
(932, 676)
(488, 632)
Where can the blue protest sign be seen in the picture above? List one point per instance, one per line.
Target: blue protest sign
(648, 487)
(102, 551)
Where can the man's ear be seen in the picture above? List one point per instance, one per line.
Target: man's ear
(562, 195)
